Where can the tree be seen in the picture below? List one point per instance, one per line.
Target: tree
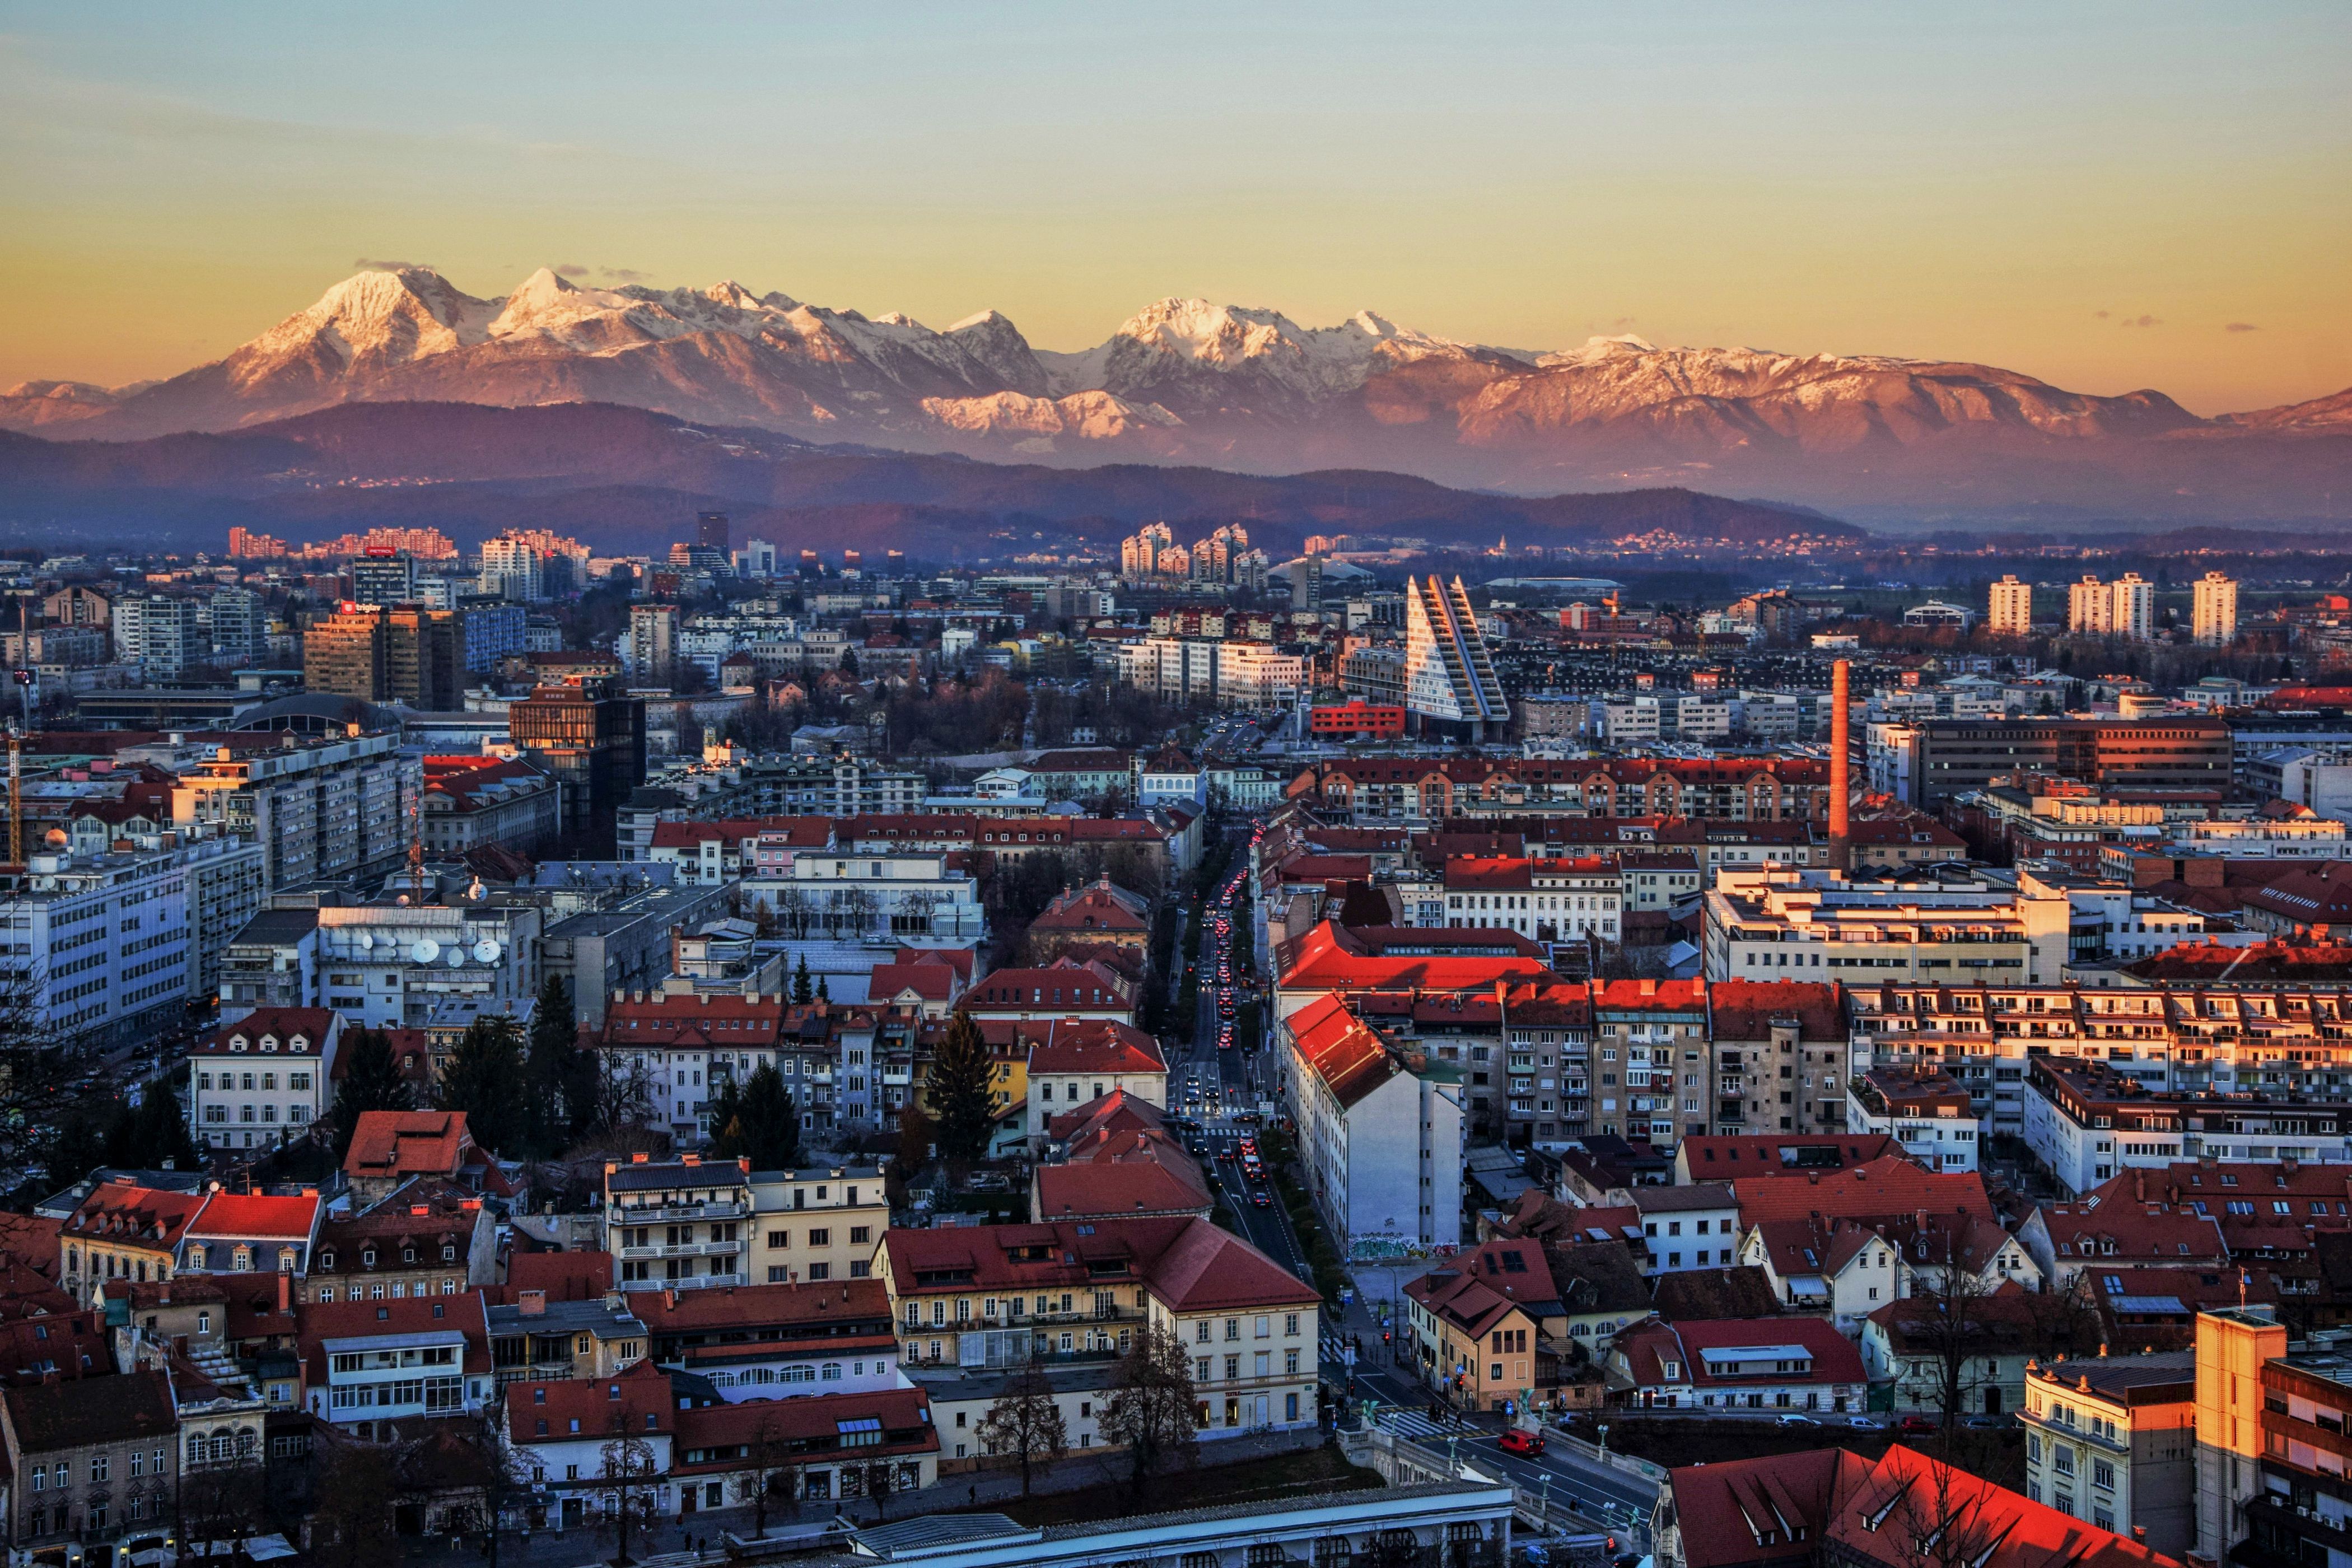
(557, 1073)
(757, 1119)
(1951, 1326)
(629, 1470)
(619, 1097)
(151, 1134)
(770, 1474)
(877, 1478)
(961, 1099)
(484, 1078)
(822, 994)
(352, 1526)
(371, 1081)
(802, 992)
(1153, 1408)
(1025, 1423)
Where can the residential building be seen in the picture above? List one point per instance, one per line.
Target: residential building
(1081, 1060)
(897, 895)
(348, 654)
(1379, 1131)
(811, 1447)
(470, 802)
(1554, 899)
(1690, 1227)
(391, 1148)
(1779, 1050)
(995, 1296)
(653, 643)
(1660, 1030)
(250, 1232)
(319, 809)
(400, 964)
(1097, 914)
(1063, 989)
(2086, 1121)
(2114, 1440)
(1476, 1323)
(374, 1366)
(1762, 925)
(93, 1459)
(543, 1333)
(425, 657)
(678, 1224)
(571, 1437)
(1748, 1364)
(428, 1238)
(122, 1231)
(2214, 610)
(1925, 762)
(1449, 678)
(163, 637)
(1928, 1113)
(99, 945)
(1911, 1343)
(817, 1225)
(262, 1079)
(2011, 611)
(384, 577)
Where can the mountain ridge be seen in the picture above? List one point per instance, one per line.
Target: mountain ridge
(1186, 381)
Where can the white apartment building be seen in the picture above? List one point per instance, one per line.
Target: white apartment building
(678, 1224)
(2112, 1440)
(1382, 1132)
(319, 809)
(2011, 610)
(1545, 899)
(263, 1080)
(1761, 925)
(2123, 608)
(1256, 675)
(2213, 616)
(817, 1224)
(856, 896)
(163, 637)
(1448, 676)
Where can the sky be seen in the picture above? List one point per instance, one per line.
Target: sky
(2108, 196)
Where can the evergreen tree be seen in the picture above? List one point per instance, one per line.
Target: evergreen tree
(757, 1120)
(553, 1072)
(484, 1078)
(371, 1081)
(959, 1083)
(801, 991)
(822, 994)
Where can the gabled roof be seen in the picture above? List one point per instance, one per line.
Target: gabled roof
(255, 1217)
(1341, 1050)
(1085, 1046)
(117, 1212)
(636, 1401)
(812, 1421)
(927, 982)
(1884, 1186)
(390, 1144)
(1476, 1289)
(51, 1418)
(1104, 1188)
(282, 1026)
(1097, 907)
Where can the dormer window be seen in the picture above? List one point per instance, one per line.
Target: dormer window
(297, 1043)
(326, 1260)
(1673, 1368)
(196, 1257)
(368, 1257)
(448, 1255)
(408, 1254)
(243, 1257)
(237, 1043)
(268, 1042)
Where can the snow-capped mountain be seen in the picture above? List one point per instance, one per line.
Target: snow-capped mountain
(1188, 379)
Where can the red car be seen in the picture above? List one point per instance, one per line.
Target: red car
(1515, 1441)
(1917, 1427)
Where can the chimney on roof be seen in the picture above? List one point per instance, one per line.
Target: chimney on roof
(639, 1158)
(285, 1292)
(532, 1303)
(1841, 846)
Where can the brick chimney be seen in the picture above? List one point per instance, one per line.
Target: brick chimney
(1841, 764)
(532, 1303)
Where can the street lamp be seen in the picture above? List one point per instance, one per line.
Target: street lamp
(1604, 1444)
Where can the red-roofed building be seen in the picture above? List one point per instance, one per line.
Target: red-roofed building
(1380, 1128)
(559, 1432)
(388, 1147)
(121, 1231)
(1747, 1363)
(1086, 1059)
(1722, 1159)
(815, 1446)
(1553, 900)
(1332, 957)
(1779, 1050)
(1059, 990)
(930, 989)
(1098, 914)
(1479, 1319)
(1113, 1157)
(264, 1078)
(369, 1366)
(1254, 1320)
(249, 1233)
(473, 801)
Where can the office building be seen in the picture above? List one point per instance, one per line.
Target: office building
(1448, 678)
(493, 630)
(2214, 617)
(593, 744)
(1927, 761)
(384, 577)
(101, 943)
(424, 659)
(2011, 611)
(710, 531)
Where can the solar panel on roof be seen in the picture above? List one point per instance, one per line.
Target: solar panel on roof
(2169, 1305)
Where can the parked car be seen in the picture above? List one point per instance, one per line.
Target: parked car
(1791, 1418)
(1917, 1427)
(1862, 1423)
(1515, 1441)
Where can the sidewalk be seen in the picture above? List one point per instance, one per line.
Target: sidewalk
(668, 1538)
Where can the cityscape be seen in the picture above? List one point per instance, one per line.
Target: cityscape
(650, 924)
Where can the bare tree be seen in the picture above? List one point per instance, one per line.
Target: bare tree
(1025, 1423)
(629, 1472)
(622, 1098)
(352, 1527)
(770, 1464)
(877, 1478)
(1153, 1408)
(1951, 1326)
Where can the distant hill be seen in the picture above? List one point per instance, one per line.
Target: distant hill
(627, 479)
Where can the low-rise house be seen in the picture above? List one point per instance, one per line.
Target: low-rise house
(91, 1460)
(262, 1079)
(248, 1233)
(1095, 914)
(371, 1367)
(1477, 1323)
(816, 1224)
(545, 1337)
(1987, 1341)
(1062, 989)
(1601, 1293)
(428, 1238)
(2067, 1240)
(1770, 1364)
(1691, 1226)
(393, 1147)
(764, 1342)
(2142, 1308)
(596, 1444)
(1923, 1108)
(1082, 1061)
(825, 1448)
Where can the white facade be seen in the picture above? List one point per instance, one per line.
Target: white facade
(389, 1377)
(874, 895)
(393, 966)
(2011, 610)
(1388, 1168)
(99, 944)
(1447, 673)
(162, 636)
(1946, 1140)
(1564, 900)
(2214, 617)
(261, 1084)
(1684, 1236)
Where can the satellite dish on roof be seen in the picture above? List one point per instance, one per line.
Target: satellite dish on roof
(425, 951)
(456, 956)
(486, 952)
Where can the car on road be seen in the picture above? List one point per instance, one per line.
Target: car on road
(1862, 1423)
(1791, 1418)
(1915, 1426)
(1985, 1423)
(1515, 1441)
(1261, 1200)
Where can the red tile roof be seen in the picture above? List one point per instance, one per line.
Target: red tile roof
(1190, 1264)
(928, 981)
(1105, 1188)
(1712, 1156)
(1085, 1046)
(391, 1144)
(1746, 1009)
(579, 1409)
(1336, 958)
(313, 1026)
(1097, 907)
(1341, 1050)
(1477, 1290)
(1885, 1186)
(810, 1423)
(317, 1322)
(255, 1217)
(768, 1306)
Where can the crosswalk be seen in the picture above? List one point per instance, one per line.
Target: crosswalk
(1413, 1424)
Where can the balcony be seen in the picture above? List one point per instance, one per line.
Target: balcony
(620, 1213)
(686, 1249)
(697, 1282)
